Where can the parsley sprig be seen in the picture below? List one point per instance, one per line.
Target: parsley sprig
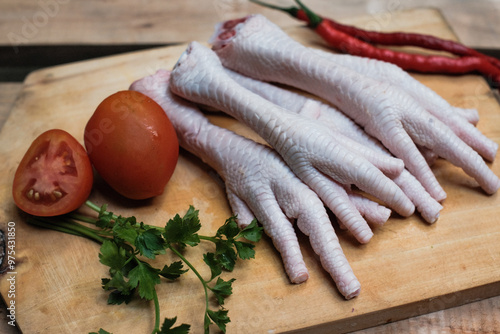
(126, 246)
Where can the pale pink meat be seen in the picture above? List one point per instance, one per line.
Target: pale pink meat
(380, 70)
(459, 120)
(259, 183)
(338, 122)
(316, 156)
(258, 48)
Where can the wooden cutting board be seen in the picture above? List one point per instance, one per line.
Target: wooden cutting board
(408, 268)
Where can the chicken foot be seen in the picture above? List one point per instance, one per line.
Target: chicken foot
(259, 183)
(256, 47)
(428, 207)
(312, 152)
(461, 121)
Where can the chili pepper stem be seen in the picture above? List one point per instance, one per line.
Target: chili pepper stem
(381, 38)
(290, 10)
(314, 19)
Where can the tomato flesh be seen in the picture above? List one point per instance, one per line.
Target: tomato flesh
(54, 177)
(132, 144)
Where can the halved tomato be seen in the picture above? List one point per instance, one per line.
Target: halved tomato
(54, 177)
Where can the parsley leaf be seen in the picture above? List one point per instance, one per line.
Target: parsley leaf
(220, 318)
(228, 249)
(117, 297)
(166, 328)
(245, 250)
(123, 229)
(149, 243)
(112, 255)
(225, 254)
(144, 277)
(101, 331)
(125, 243)
(105, 218)
(229, 229)
(183, 231)
(213, 264)
(253, 232)
(222, 289)
(173, 271)
(117, 283)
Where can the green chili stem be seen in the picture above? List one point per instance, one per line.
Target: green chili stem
(314, 19)
(290, 10)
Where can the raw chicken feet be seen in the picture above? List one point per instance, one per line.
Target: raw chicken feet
(258, 182)
(256, 47)
(461, 121)
(316, 156)
(338, 122)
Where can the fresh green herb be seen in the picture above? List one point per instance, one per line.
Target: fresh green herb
(127, 244)
(101, 331)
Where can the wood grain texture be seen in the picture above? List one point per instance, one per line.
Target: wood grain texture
(158, 21)
(409, 268)
(8, 94)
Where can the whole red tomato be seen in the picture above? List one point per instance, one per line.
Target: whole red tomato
(132, 144)
(54, 177)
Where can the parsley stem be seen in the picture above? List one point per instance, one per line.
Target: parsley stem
(203, 282)
(52, 225)
(186, 262)
(83, 218)
(203, 237)
(83, 230)
(67, 226)
(93, 206)
(97, 208)
(157, 312)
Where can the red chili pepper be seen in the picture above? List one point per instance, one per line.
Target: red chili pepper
(399, 38)
(356, 41)
(408, 61)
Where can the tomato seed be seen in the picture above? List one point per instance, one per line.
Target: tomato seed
(37, 196)
(30, 194)
(57, 194)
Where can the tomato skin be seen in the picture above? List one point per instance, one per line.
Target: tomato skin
(132, 144)
(54, 177)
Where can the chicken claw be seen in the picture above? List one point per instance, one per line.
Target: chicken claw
(428, 207)
(321, 160)
(256, 47)
(259, 183)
